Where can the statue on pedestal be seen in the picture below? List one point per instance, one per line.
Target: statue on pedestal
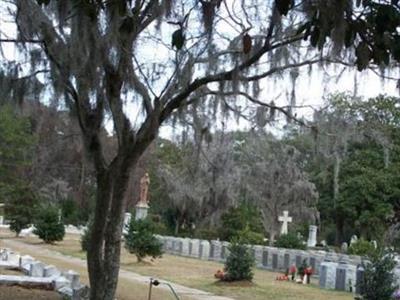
(143, 205)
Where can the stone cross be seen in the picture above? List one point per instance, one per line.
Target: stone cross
(285, 219)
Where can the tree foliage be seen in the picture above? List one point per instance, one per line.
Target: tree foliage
(239, 263)
(378, 280)
(48, 226)
(289, 241)
(140, 240)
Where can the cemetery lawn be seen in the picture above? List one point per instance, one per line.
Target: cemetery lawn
(199, 274)
(15, 292)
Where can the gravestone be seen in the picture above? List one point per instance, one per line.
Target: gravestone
(286, 261)
(258, 255)
(224, 251)
(331, 275)
(322, 275)
(341, 277)
(265, 258)
(299, 260)
(313, 263)
(36, 269)
(275, 261)
(344, 247)
(195, 245)
(177, 246)
(204, 252)
(127, 220)
(359, 278)
(351, 278)
(312, 236)
(185, 247)
(216, 250)
(353, 239)
(285, 219)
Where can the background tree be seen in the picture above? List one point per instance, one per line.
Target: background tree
(16, 146)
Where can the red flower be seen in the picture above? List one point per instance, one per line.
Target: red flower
(309, 271)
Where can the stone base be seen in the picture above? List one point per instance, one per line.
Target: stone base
(141, 212)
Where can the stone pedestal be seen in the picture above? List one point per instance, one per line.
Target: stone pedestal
(312, 236)
(127, 221)
(141, 211)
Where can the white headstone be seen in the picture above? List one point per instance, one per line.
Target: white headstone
(353, 240)
(344, 247)
(194, 247)
(285, 219)
(1, 220)
(73, 277)
(36, 269)
(185, 247)
(204, 249)
(375, 244)
(127, 220)
(312, 236)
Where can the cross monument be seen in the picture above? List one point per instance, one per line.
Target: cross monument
(285, 219)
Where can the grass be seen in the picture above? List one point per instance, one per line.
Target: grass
(199, 274)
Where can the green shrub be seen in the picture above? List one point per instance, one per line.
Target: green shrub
(378, 281)
(289, 241)
(20, 207)
(140, 239)
(206, 234)
(239, 263)
(239, 218)
(47, 225)
(361, 247)
(250, 237)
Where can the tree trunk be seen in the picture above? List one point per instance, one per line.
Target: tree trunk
(339, 230)
(105, 244)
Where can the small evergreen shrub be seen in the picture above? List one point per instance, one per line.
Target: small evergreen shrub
(379, 280)
(361, 247)
(290, 241)
(140, 240)
(47, 225)
(239, 263)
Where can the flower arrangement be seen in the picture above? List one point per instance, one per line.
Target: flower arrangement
(282, 278)
(220, 274)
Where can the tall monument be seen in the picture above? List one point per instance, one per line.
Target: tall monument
(143, 205)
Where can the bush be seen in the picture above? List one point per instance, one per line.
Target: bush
(206, 234)
(48, 227)
(140, 239)
(290, 241)
(362, 247)
(239, 218)
(20, 208)
(379, 280)
(250, 237)
(239, 263)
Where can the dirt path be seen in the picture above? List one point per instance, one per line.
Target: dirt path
(126, 278)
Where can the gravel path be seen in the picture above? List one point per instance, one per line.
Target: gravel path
(181, 290)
